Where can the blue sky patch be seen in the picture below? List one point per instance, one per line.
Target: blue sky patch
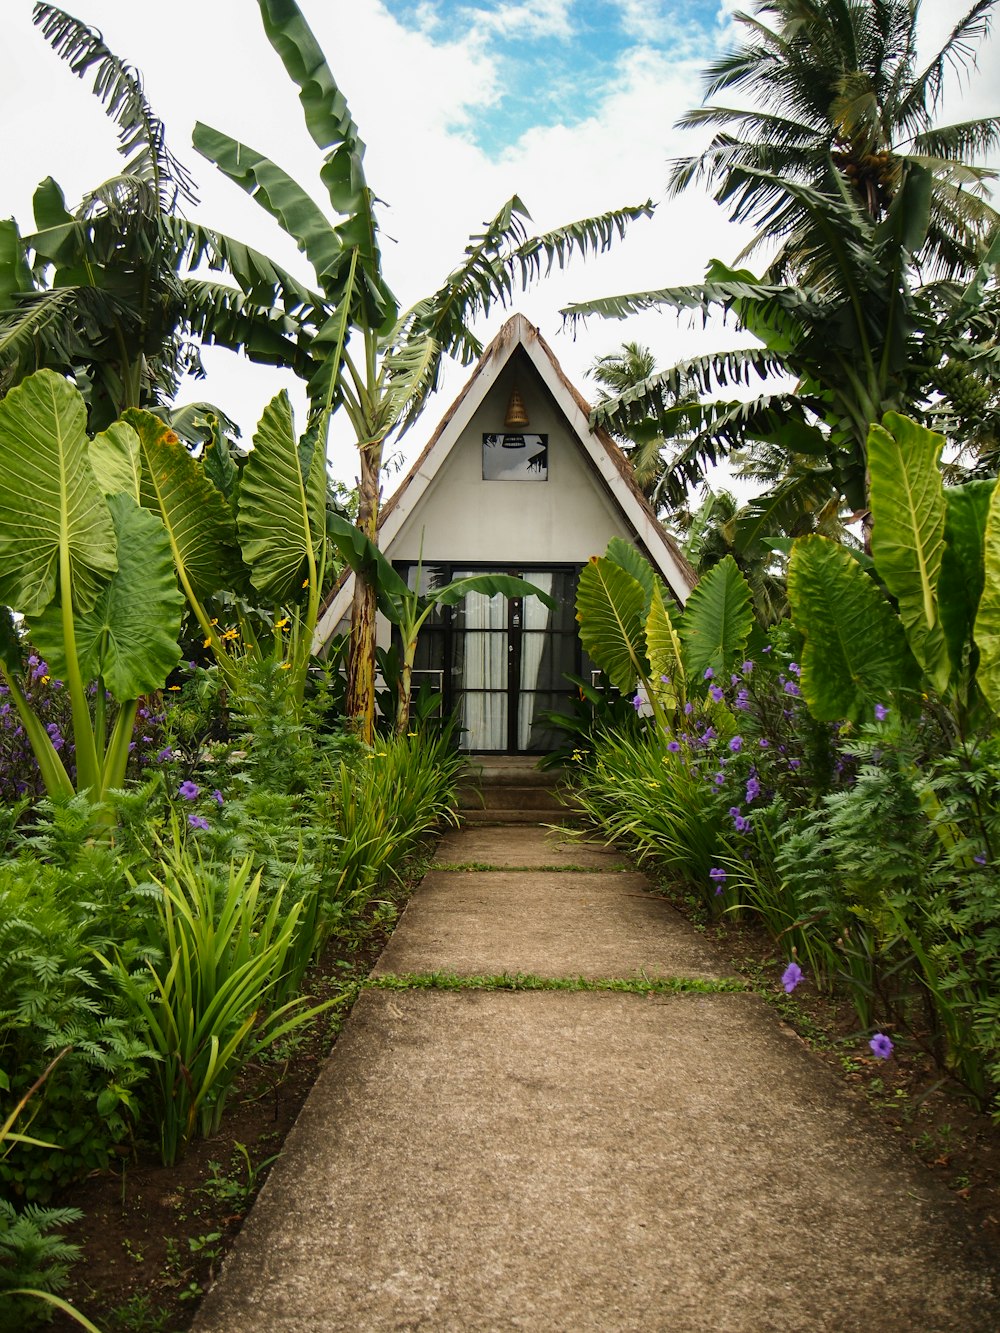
(555, 59)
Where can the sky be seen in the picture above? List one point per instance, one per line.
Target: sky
(571, 104)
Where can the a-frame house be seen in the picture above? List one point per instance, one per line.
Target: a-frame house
(513, 480)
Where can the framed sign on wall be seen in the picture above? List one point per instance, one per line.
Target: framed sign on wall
(515, 457)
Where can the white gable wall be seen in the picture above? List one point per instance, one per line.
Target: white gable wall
(565, 519)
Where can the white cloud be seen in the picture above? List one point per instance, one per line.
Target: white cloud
(531, 19)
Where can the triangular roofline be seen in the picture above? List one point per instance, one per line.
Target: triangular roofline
(603, 453)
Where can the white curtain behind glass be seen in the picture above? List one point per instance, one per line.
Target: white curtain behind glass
(484, 716)
(536, 617)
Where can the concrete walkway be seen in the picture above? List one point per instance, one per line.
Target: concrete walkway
(585, 1159)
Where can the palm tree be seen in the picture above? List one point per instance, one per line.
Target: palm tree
(362, 355)
(617, 373)
(839, 103)
(709, 532)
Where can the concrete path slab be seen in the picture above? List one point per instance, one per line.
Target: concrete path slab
(557, 924)
(471, 1162)
(533, 845)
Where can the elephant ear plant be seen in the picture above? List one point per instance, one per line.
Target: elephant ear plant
(91, 574)
(936, 552)
(631, 630)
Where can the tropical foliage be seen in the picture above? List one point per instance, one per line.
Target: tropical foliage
(841, 781)
(842, 102)
(109, 293)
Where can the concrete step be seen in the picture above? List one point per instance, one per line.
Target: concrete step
(508, 796)
(499, 815)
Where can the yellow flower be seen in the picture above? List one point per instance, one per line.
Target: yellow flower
(286, 666)
(305, 583)
(46, 679)
(231, 634)
(173, 687)
(280, 624)
(214, 621)
(207, 643)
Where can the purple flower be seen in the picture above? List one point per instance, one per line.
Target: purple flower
(791, 977)
(719, 779)
(747, 667)
(794, 668)
(753, 789)
(741, 823)
(709, 674)
(688, 709)
(791, 687)
(881, 713)
(794, 763)
(742, 700)
(718, 877)
(716, 693)
(881, 1046)
(979, 859)
(734, 679)
(164, 755)
(637, 702)
(673, 746)
(189, 790)
(736, 744)
(217, 796)
(767, 648)
(197, 822)
(708, 734)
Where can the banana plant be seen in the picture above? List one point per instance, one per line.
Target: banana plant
(408, 608)
(363, 355)
(92, 575)
(629, 630)
(935, 551)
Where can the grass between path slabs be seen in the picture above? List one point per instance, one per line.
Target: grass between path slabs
(525, 981)
(467, 866)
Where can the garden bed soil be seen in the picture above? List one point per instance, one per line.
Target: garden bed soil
(152, 1237)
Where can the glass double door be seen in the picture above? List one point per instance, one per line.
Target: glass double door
(503, 660)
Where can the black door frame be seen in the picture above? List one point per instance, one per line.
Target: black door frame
(515, 623)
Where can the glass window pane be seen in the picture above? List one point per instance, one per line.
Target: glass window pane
(534, 733)
(483, 715)
(545, 659)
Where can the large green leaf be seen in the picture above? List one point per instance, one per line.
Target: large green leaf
(280, 509)
(199, 524)
(717, 620)
(610, 606)
(489, 585)
(15, 275)
(129, 637)
(628, 556)
(960, 585)
(288, 203)
(116, 460)
(52, 513)
(908, 511)
(855, 652)
(666, 655)
(987, 630)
